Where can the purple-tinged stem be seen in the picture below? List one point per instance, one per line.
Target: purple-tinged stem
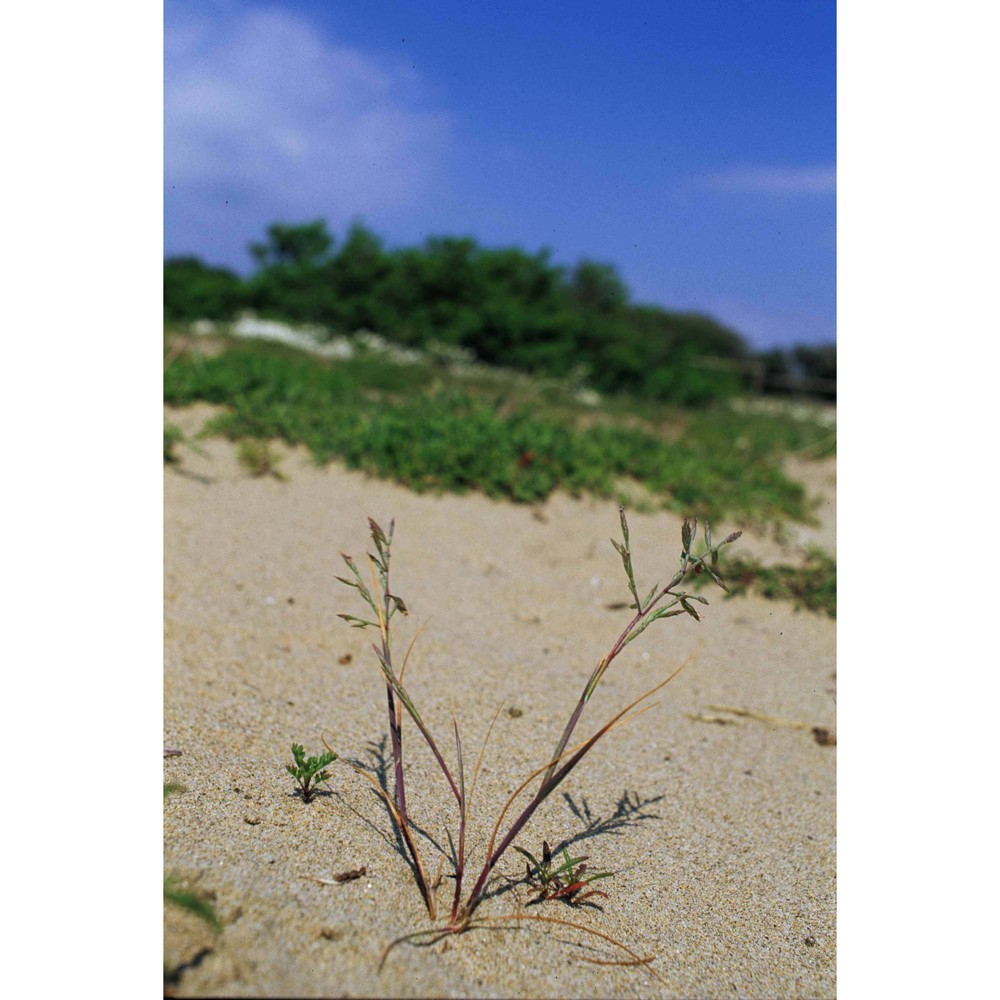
(549, 784)
(599, 671)
(460, 860)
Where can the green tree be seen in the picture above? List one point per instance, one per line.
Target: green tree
(289, 282)
(507, 306)
(193, 290)
(304, 245)
(595, 286)
(357, 278)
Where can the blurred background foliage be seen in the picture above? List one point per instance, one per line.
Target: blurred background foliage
(506, 306)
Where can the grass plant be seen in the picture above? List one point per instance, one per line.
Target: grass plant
(172, 437)
(373, 585)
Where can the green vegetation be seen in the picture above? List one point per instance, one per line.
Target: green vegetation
(506, 306)
(184, 899)
(811, 585)
(566, 881)
(172, 436)
(308, 771)
(374, 588)
(191, 902)
(432, 429)
(192, 290)
(259, 459)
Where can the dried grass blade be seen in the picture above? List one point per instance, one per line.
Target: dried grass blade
(634, 959)
(749, 713)
(409, 649)
(479, 759)
(404, 829)
(580, 749)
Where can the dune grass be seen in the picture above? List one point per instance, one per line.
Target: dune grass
(373, 585)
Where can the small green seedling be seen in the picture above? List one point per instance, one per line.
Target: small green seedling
(564, 882)
(308, 771)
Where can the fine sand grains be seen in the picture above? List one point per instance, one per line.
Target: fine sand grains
(720, 827)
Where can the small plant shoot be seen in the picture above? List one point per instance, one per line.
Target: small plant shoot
(308, 771)
(564, 880)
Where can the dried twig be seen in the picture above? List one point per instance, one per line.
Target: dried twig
(348, 876)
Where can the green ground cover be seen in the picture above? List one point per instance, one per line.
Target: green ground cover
(812, 584)
(431, 429)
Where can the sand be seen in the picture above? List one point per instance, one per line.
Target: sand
(721, 828)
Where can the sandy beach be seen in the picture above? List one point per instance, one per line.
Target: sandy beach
(720, 827)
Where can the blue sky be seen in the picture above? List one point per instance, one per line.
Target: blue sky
(690, 144)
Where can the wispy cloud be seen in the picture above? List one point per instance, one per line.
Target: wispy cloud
(261, 107)
(774, 180)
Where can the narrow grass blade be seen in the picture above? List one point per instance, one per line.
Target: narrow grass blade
(409, 649)
(460, 865)
(404, 697)
(479, 759)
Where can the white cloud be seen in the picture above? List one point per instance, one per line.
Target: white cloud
(774, 180)
(261, 106)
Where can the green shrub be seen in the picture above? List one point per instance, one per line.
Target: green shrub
(193, 290)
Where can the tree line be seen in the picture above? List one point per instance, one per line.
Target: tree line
(507, 306)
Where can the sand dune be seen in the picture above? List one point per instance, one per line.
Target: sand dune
(721, 827)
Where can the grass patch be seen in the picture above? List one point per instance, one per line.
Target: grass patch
(427, 430)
